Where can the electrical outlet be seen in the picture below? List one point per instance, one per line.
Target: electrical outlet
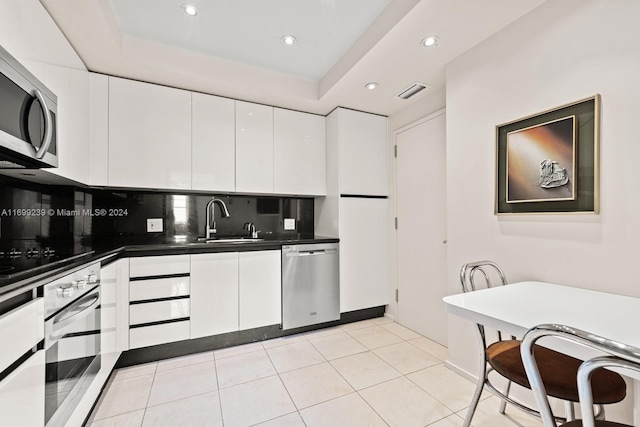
(154, 225)
(289, 223)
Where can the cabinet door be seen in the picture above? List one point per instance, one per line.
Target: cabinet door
(149, 135)
(363, 153)
(299, 153)
(161, 265)
(363, 253)
(122, 304)
(260, 289)
(214, 294)
(22, 393)
(98, 129)
(72, 89)
(20, 330)
(213, 143)
(108, 308)
(254, 148)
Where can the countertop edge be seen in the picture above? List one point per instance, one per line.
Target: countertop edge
(130, 251)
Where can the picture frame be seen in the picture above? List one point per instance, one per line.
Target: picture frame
(549, 162)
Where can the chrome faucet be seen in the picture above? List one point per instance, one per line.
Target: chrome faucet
(210, 228)
(251, 229)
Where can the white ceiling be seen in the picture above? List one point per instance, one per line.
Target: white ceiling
(251, 31)
(232, 47)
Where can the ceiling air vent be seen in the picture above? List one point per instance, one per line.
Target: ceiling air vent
(412, 90)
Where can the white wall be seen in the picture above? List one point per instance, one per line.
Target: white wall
(561, 52)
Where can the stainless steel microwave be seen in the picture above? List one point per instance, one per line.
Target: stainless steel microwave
(28, 111)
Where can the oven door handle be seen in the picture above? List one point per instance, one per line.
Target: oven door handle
(79, 310)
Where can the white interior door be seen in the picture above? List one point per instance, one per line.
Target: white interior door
(421, 235)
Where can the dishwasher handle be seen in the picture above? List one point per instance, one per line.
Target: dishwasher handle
(312, 252)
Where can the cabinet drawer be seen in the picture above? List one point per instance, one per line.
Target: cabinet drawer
(158, 311)
(140, 290)
(23, 328)
(22, 393)
(158, 334)
(158, 265)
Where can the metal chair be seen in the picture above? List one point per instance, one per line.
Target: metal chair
(503, 357)
(619, 356)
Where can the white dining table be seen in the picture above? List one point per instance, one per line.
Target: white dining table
(517, 307)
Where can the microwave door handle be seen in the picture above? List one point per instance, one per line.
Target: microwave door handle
(85, 305)
(48, 125)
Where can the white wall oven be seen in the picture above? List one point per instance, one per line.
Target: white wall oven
(72, 341)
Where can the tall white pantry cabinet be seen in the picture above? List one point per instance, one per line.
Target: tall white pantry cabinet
(355, 208)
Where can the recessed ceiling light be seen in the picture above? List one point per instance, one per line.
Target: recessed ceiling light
(371, 86)
(288, 40)
(430, 41)
(190, 9)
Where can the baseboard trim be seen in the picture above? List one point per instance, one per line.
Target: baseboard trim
(458, 370)
(183, 348)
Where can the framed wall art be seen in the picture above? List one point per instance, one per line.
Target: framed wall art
(548, 162)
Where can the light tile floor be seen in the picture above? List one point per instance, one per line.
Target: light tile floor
(370, 373)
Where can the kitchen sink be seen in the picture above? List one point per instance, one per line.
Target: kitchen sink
(230, 240)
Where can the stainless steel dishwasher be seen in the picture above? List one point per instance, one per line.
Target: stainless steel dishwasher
(310, 284)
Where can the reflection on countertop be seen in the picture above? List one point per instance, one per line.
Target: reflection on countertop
(138, 247)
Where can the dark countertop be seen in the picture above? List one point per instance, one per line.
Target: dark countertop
(172, 247)
(107, 253)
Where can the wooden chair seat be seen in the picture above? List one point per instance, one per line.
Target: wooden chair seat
(558, 372)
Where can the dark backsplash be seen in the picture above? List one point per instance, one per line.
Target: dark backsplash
(84, 216)
(184, 215)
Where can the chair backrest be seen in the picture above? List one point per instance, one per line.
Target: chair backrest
(489, 272)
(618, 355)
(585, 372)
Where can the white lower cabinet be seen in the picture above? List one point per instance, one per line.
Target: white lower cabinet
(22, 391)
(159, 334)
(159, 307)
(109, 308)
(260, 289)
(363, 253)
(159, 265)
(22, 394)
(214, 294)
(234, 291)
(20, 330)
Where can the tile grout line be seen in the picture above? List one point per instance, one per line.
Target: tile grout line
(144, 414)
(303, 338)
(218, 390)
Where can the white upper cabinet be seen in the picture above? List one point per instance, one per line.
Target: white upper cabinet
(72, 89)
(98, 129)
(149, 135)
(254, 148)
(213, 143)
(363, 153)
(299, 153)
